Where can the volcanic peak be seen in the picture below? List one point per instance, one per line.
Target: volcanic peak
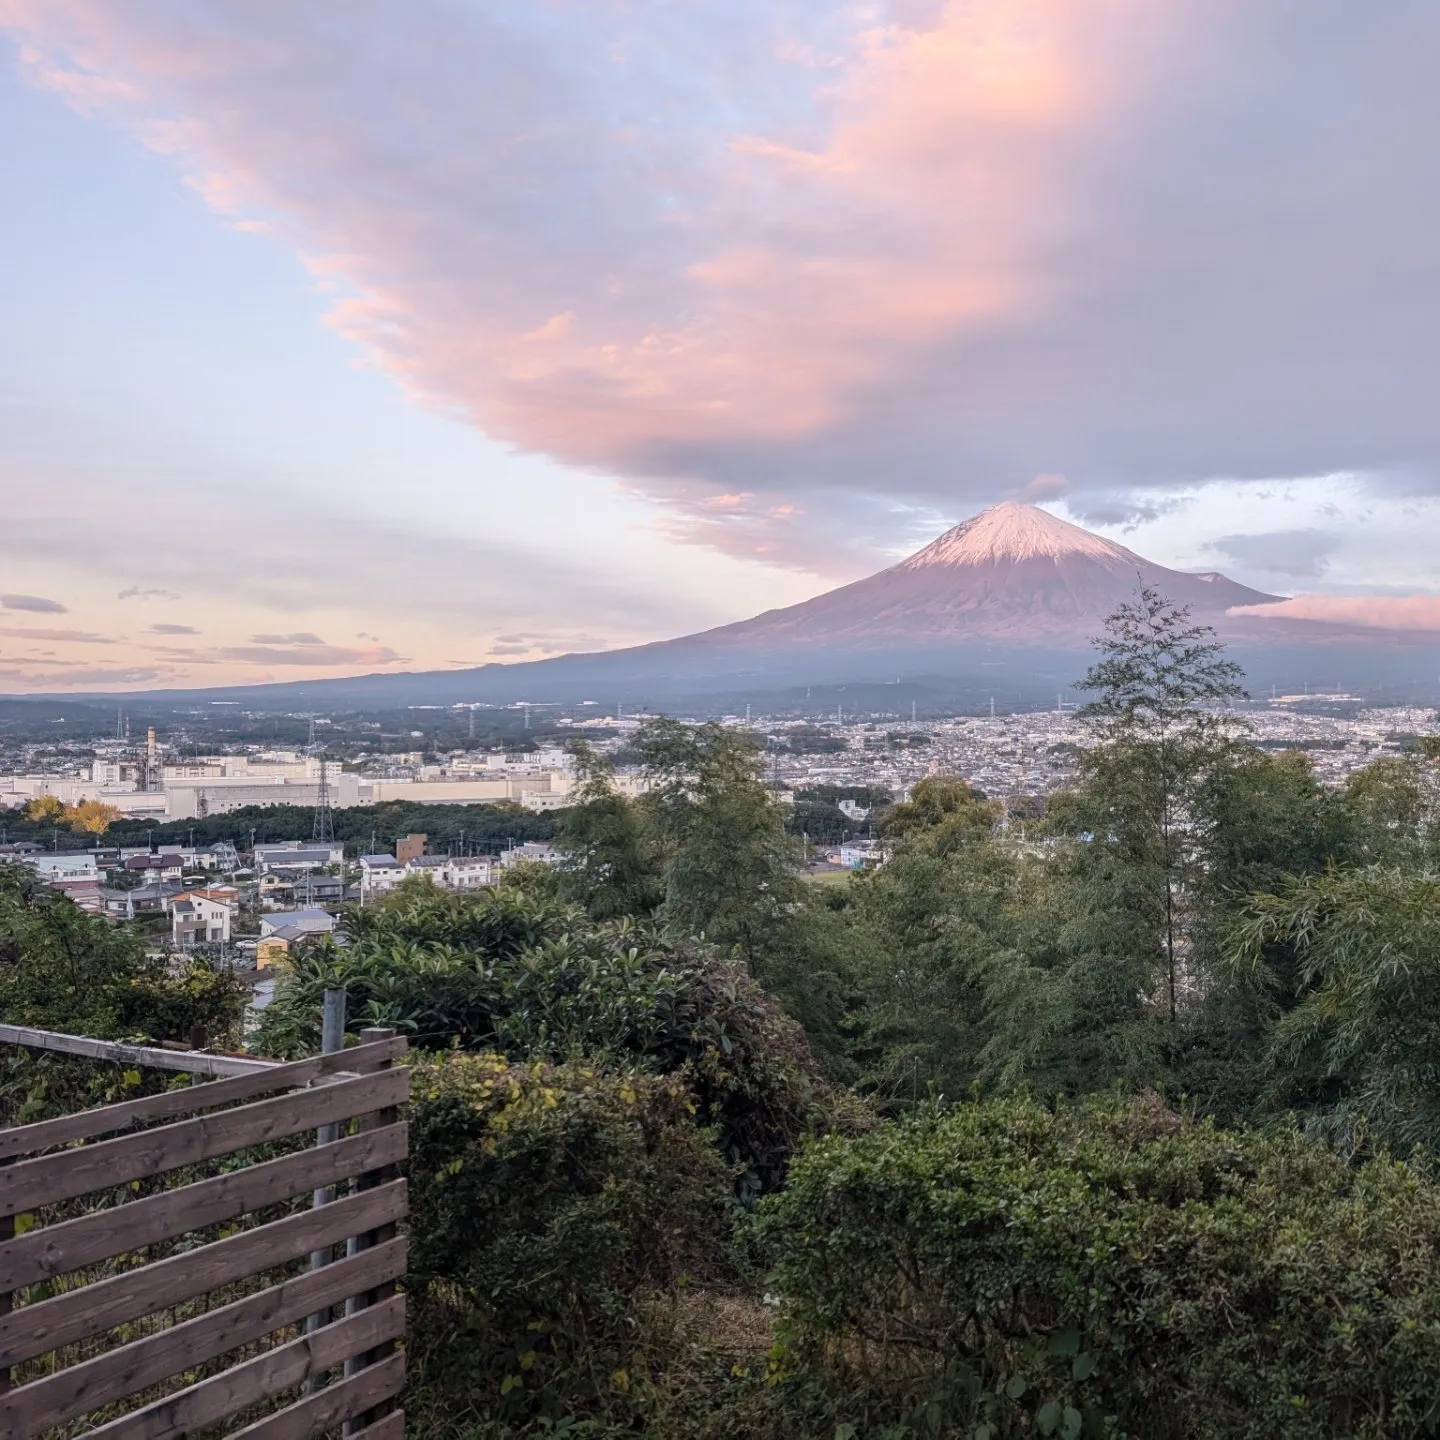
(1012, 531)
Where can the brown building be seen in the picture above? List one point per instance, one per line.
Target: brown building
(412, 847)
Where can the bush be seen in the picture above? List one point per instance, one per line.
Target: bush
(550, 1207)
(61, 969)
(1004, 1270)
(519, 975)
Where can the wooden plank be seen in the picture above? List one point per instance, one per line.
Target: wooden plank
(42, 1254)
(387, 1427)
(269, 1374)
(87, 1168)
(84, 1388)
(322, 1412)
(36, 1329)
(196, 1062)
(105, 1119)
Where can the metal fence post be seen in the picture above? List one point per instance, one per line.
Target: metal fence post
(332, 1037)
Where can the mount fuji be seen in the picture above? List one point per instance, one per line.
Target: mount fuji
(1001, 602)
(1013, 572)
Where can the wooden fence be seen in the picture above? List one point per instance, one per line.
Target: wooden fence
(233, 1359)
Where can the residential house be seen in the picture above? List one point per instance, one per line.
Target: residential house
(276, 888)
(84, 891)
(858, 856)
(301, 922)
(431, 866)
(221, 856)
(533, 851)
(61, 865)
(198, 917)
(317, 889)
(379, 874)
(117, 904)
(154, 897)
(298, 855)
(467, 872)
(167, 865)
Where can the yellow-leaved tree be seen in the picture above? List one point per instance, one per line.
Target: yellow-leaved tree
(91, 817)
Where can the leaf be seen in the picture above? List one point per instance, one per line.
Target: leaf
(1017, 1386)
(130, 1079)
(1048, 1417)
(24, 1223)
(985, 1431)
(846, 1431)
(1070, 1424)
(509, 1383)
(1084, 1366)
(1065, 1342)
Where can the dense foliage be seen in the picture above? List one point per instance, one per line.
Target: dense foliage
(483, 829)
(552, 1208)
(1007, 1270)
(536, 980)
(61, 969)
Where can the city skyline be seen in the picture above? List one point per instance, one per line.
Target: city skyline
(471, 333)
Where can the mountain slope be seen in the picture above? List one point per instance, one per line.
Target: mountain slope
(1013, 572)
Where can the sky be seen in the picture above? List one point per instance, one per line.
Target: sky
(374, 335)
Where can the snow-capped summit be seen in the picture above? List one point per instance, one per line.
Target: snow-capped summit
(1012, 531)
(1013, 572)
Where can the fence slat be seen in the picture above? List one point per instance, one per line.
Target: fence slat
(36, 1329)
(269, 1374)
(87, 1386)
(197, 1062)
(105, 1119)
(387, 1427)
(58, 1249)
(322, 1412)
(69, 1173)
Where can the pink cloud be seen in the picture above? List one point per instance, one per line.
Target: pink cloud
(793, 250)
(1381, 612)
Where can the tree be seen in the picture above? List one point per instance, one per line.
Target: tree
(44, 807)
(91, 817)
(610, 866)
(61, 969)
(729, 868)
(1267, 819)
(1360, 1050)
(1158, 688)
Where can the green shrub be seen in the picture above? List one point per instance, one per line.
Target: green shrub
(62, 969)
(512, 973)
(1004, 1270)
(550, 1209)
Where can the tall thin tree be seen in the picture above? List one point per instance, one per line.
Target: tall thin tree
(1161, 690)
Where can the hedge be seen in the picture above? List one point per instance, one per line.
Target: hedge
(550, 1205)
(1112, 1269)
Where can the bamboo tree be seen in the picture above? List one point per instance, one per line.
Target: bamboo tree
(1159, 691)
